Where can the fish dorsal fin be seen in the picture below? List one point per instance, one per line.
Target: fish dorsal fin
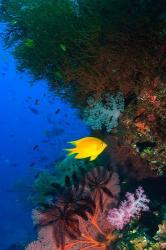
(85, 139)
(76, 142)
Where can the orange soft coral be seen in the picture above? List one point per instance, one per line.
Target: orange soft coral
(141, 126)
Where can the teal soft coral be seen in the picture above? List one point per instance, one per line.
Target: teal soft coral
(104, 113)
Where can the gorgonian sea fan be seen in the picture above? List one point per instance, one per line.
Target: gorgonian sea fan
(128, 209)
(64, 222)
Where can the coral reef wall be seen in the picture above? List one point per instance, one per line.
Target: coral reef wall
(108, 59)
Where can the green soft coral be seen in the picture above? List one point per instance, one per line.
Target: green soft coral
(43, 187)
(69, 166)
(46, 183)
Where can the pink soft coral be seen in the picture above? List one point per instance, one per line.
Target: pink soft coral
(128, 209)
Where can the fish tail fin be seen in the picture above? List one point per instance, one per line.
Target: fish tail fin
(72, 142)
(71, 151)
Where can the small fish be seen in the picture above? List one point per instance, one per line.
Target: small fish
(35, 111)
(43, 158)
(45, 141)
(51, 102)
(63, 47)
(35, 147)
(87, 147)
(14, 164)
(54, 132)
(50, 121)
(32, 164)
(37, 175)
(37, 102)
(57, 111)
(28, 99)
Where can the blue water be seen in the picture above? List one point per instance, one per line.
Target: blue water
(35, 126)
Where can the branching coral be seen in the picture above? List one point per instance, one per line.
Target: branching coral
(104, 113)
(128, 209)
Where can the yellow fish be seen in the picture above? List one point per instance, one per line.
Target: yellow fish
(87, 147)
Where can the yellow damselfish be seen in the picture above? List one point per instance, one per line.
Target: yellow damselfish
(87, 147)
